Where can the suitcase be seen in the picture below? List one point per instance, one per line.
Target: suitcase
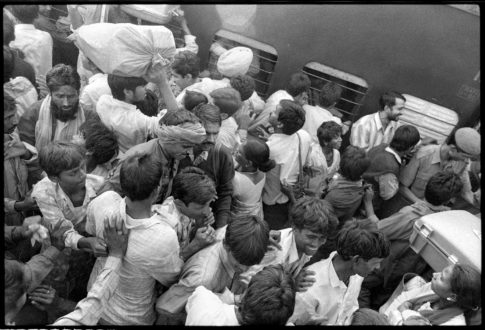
(159, 14)
(449, 237)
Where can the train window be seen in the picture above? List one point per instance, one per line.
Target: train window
(430, 119)
(354, 88)
(264, 58)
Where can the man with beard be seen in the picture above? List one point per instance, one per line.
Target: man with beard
(377, 128)
(58, 116)
(216, 161)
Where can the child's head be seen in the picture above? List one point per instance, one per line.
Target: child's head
(298, 87)
(330, 94)
(140, 177)
(244, 84)
(256, 153)
(441, 187)
(405, 138)
(246, 240)
(289, 117)
(228, 100)
(185, 69)
(193, 191)
(193, 99)
(269, 298)
(100, 142)
(330, 133)
(360, 243)
(26, 14)
(367, 316)
(311, 219)
(353, 163)
(64, 163)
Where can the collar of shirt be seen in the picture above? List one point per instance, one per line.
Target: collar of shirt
(436, 158)
(332, 274)
(25, 27)
(439, 208)
(95, 77)
(169, 212)
(165, 160)
(224, 257)
(116, 105)
(389, 150)
(132, 223)
(90, 191)
(377, 120)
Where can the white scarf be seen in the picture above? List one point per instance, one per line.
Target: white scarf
(43, 127)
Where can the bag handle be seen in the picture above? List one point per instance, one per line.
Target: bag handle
(299, 154)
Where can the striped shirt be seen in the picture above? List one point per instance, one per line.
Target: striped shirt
(368, 132)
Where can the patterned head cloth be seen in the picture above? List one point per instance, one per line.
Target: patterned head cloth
(193, 133)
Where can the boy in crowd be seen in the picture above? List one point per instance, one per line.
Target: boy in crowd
(379, 285)
(153, 250)
(289, 147)
(332, 299)
(386, 163)
(188, 212)
(268, 300)
(217, 267)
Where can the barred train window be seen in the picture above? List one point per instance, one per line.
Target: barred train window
(354, 88)
(430, 119)
(264, 59)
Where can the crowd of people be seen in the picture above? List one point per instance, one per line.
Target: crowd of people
(175, 198)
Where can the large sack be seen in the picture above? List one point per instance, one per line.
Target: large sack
(125, 49)
(160, 14)
(22, 90)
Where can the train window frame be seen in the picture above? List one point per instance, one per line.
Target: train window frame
(347, 81)
(432, 120)
(263, 51)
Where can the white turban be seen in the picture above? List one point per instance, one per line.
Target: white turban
(235, 61)
(193, 133)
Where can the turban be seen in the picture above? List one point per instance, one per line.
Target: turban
(235, 61)
(468, 140)
(193, 133)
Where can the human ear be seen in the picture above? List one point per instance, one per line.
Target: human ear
(188, 76)
(224, 115)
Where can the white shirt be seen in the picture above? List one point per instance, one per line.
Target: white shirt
(205, 308)
(328, 301)
(130, 125)
(283, 149)
(97, 86)
(36, 46)
(367, 132)
(152, 255)
(314, 117)
(270, 106)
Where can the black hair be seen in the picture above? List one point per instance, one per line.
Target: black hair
(292, 116)
(244, 84)
(353, 163)
(327, 131)
(299, 83)
(389, 99)
(139, 176)
(257, 151)
(118, 84)
(405, 137)
(61, 75)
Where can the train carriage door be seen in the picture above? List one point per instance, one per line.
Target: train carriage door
(354, 88)
(264, 58)
(431, 120)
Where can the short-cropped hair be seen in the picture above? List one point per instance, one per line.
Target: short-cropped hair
(269, 298)
(405, 137)
(247, 237)
(15, 285)
(442, 186)
(62, 75)
(327, 131)
(367, 316)
(313, 214)
(353, 163)
(139, 176)
(208, 113)
(330, 94)
(244, 84)
(227, 99)
(193, 99)
(299, 83)
(173, 118)
(389, 99)
(25, 13)
(354, 239)
(59, 156)
(257, 151)
(99, 140)
(466, 284)
(292, 116)
(118, 84)
(186, 62)
(193, 185)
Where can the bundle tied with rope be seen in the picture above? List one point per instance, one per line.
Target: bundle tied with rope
(125, 49)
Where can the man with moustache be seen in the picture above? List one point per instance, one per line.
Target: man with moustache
(377, 128)
(216, 161)
(58, 116)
